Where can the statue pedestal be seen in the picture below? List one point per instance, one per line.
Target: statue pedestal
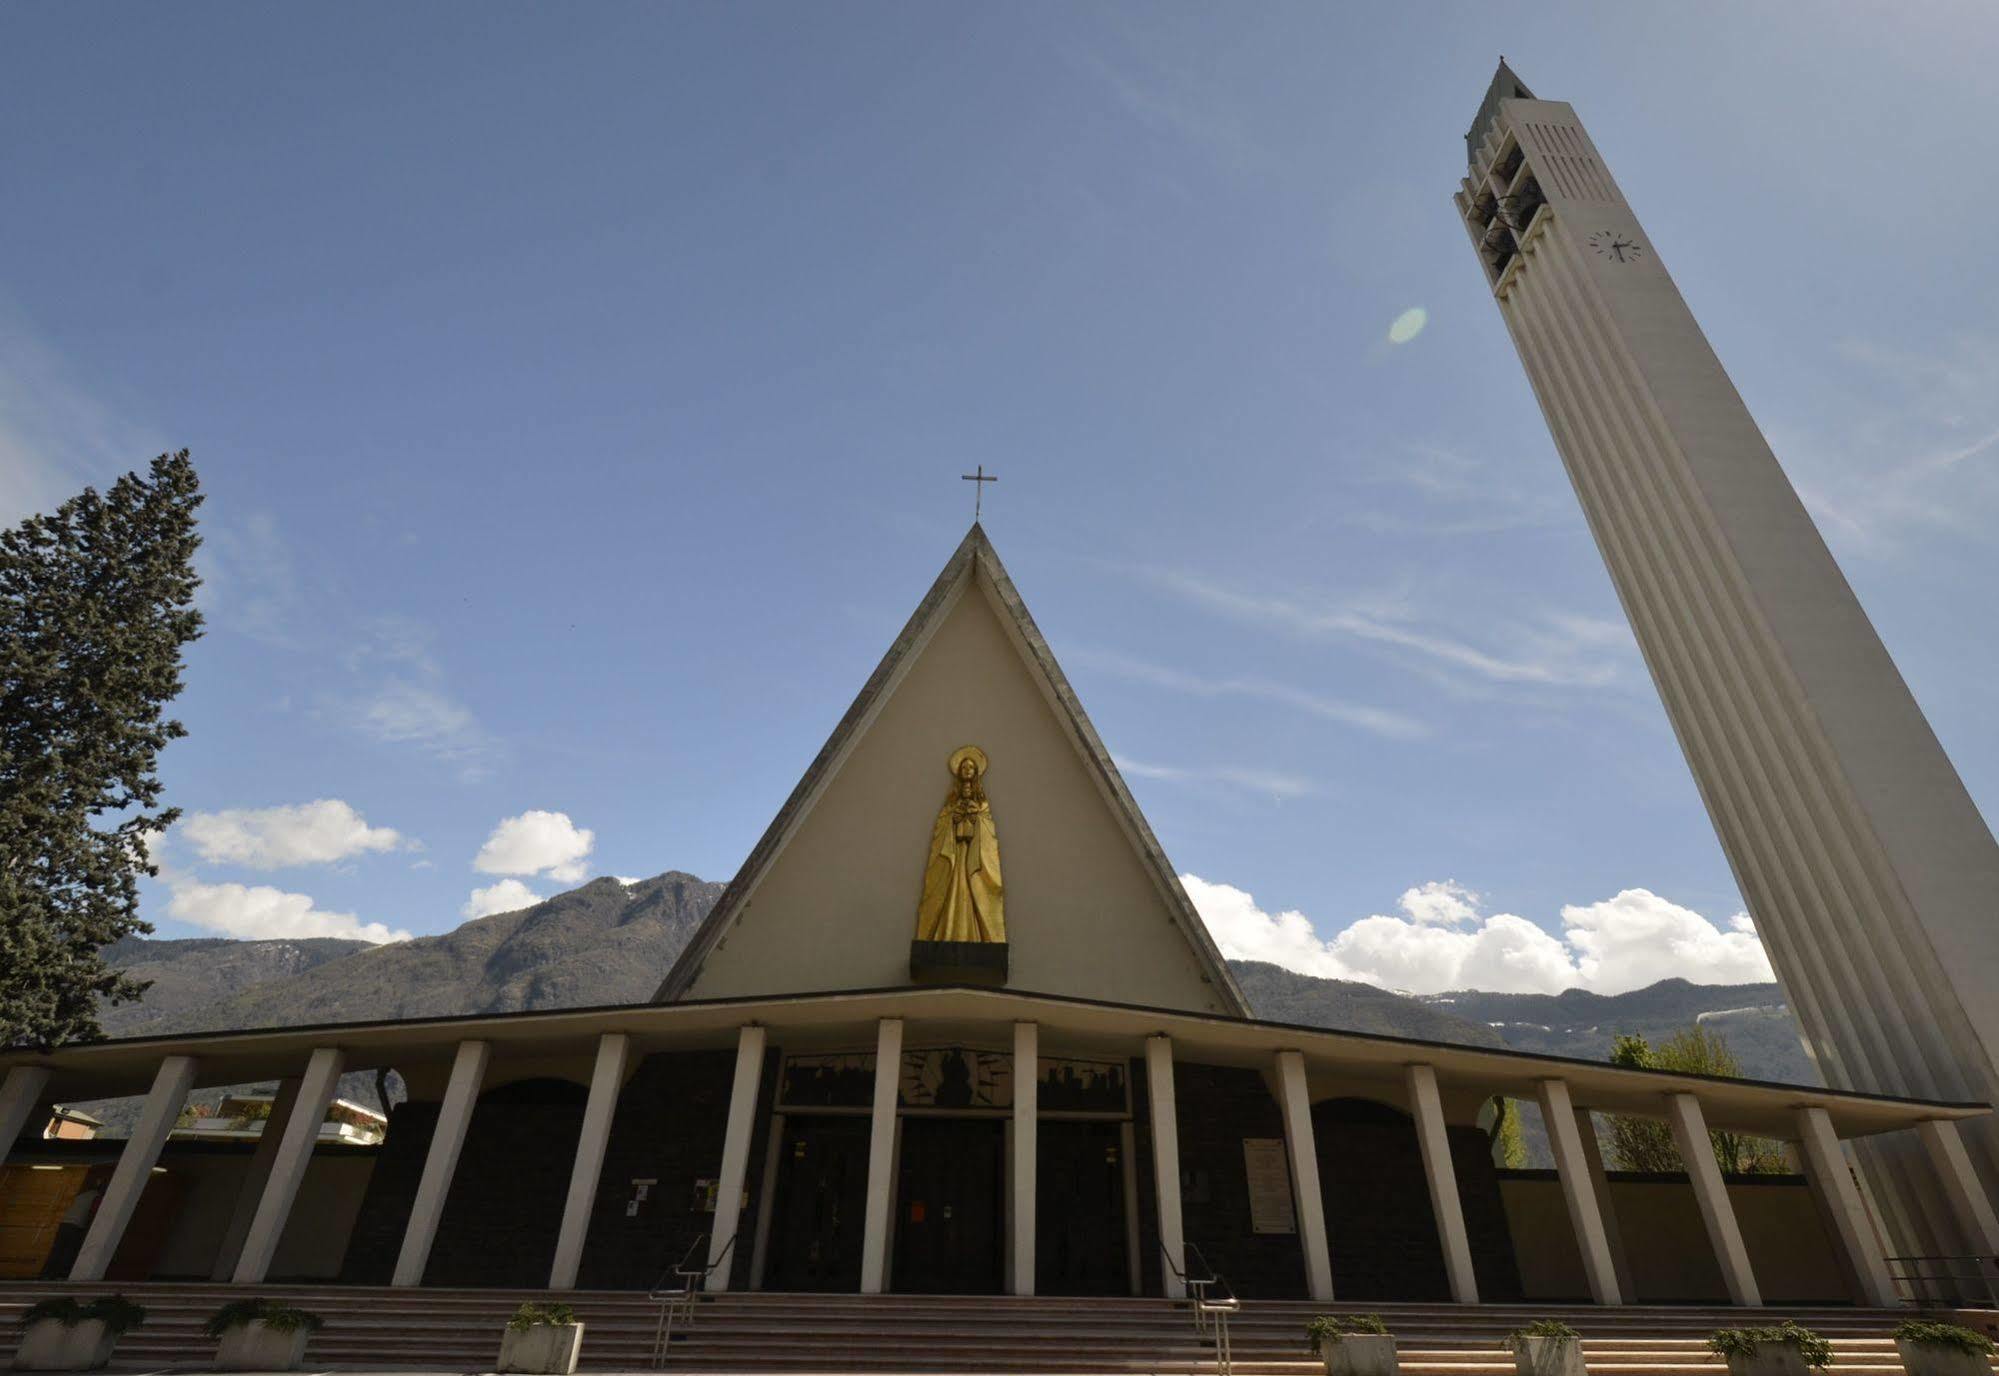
(957, 962)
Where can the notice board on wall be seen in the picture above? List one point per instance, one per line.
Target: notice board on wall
(1269, 1173)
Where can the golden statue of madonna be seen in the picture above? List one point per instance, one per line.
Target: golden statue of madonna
(962, 896)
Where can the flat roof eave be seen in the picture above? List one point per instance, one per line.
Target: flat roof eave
(122, 1066)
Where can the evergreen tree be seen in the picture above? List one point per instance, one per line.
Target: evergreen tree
(96, 603)
(1646, 1144)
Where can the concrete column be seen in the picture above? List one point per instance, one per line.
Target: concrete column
(1599, 1180)
(19, 1094)
(295, 1143)
(1558, 1115)
(735, 1154)
(1026, 1150)
(250, 1193)
(1166, 1163)
(1434, 1137)
(614, 1049)
(1826, 1165)
(135, 1167)
(1683, 1112)
(1960, 1183)
(440, 1162)
(1295, 1099)
(879, 1216)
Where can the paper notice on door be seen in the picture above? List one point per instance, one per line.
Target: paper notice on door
(1269, 1185)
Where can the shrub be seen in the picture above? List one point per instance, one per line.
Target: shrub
(64, 1310)
(1542, 1328)
(1741, 1342)
(1951, 1335)
(531, 1315)
(116, 1313)
(280, 1318)
(1345, 1326)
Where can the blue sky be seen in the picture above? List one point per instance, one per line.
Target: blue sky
(581, 393)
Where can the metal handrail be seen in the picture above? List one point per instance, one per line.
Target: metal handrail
(1209, 1312)
(679, 1299)
(1935, 1280)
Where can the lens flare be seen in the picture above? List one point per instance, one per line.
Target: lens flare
(1408, 325)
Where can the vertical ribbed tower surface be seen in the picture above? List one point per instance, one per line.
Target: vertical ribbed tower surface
(1871, 877)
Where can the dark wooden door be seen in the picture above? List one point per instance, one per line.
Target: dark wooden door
(1079, 1237)
(822, 1191)
(949, 1206)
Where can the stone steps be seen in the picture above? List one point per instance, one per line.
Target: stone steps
(458, 1330)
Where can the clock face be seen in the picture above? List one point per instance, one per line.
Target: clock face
(1616, 245)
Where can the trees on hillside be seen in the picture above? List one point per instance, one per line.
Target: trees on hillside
(1646, 1144)
(96, 605)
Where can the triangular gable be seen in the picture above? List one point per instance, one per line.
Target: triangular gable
(827, 899)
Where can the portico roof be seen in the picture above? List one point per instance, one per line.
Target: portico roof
(1069, 1026)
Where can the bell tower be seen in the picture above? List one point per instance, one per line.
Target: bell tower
(1872, 879)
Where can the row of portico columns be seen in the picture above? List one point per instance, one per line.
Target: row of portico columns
(284, 1153)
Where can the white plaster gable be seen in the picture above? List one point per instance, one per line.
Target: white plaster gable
(827, 900)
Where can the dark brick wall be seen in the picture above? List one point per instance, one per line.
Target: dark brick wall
(505, 1206)
(1381, 1229)
(1219, 1106)
(669, 1127)
(385, 1209)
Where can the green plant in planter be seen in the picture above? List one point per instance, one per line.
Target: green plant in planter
(1741, 1342)
(66, 1310)
(531, 1315)
(1951, 1335)
(116, 1313)
(279, 1318)
(1541, 1328)
(1345, 1326)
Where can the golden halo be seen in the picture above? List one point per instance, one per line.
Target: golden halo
(967, 752)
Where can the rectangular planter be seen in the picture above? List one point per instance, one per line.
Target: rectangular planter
(1360, 1354)
(1771, 1359)
(547, 1349)
(257, 1347)
(1548, 1357)
(1928, 1359)
(49, 1345)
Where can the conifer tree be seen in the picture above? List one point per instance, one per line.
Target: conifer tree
(96, 604)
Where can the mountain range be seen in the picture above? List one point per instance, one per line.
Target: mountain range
(611, 941)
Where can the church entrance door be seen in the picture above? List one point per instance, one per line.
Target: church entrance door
(1079, 1218)
(817, 1217)
(949, 1205)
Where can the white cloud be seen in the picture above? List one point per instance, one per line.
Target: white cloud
(1379, 720)
(1619, 941)
(1264, 781)
(1560, 651)
(1441, 941)
(56, 437)
(260, 912)
(1441, 903)
(315, 833)
(504, 897)
(537, 842)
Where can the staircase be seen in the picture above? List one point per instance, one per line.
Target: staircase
(459, 1331)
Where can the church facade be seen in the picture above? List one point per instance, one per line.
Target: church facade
(956, 1028)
